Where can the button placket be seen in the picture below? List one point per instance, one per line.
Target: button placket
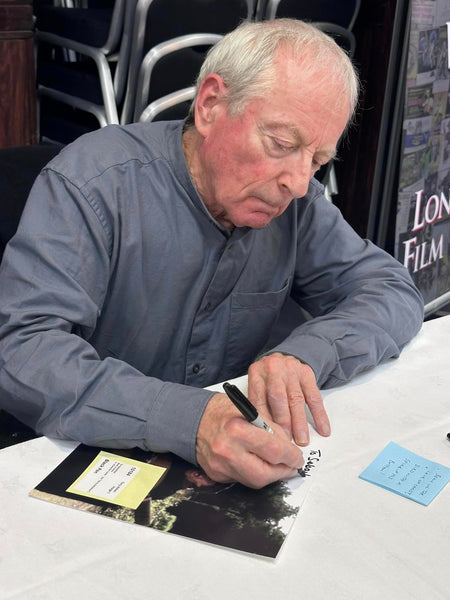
(200, 362)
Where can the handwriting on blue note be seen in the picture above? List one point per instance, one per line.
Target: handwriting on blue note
(408, 474)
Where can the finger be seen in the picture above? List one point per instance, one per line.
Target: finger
(314, 401)
(297, 404)
(319, 414)
(251, 456)
(249, 469)
(267, 390)
(258, 474)
(279, 403)
(268, 458)
(273, 448)
(257, 389)
(287, 399)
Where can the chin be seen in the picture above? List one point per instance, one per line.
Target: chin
(258, 221)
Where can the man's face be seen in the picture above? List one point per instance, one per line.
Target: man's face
(254, 164)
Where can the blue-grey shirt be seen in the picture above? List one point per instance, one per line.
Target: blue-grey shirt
(121, 297)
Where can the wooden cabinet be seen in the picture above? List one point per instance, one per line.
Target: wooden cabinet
(17, 75)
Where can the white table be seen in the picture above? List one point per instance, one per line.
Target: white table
(351, 539)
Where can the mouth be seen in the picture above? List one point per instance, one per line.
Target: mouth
(271, 208)
(260, 213)
(255, 211)
(264, 203)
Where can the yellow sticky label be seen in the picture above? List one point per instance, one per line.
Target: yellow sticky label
(117, 479)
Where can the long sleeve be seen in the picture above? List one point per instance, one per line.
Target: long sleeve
(363, 303)
(54, 283)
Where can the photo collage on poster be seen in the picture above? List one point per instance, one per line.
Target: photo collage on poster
(423, 212)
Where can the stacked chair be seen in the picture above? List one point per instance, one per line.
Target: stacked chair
(166, 75)
(342, 13)
(120, 61)
(92, 57)
(82, 63)
(334, 18)
(169, 43)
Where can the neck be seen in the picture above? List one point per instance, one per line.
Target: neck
(191, 143)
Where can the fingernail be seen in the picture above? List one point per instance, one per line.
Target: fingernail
(325, 429)
(302, 438)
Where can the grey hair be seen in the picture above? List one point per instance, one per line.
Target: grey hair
(244, 59)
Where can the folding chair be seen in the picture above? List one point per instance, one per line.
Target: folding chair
(172, 106)
(158, 21)
(99, 38)
(341, 13)
(171, 66)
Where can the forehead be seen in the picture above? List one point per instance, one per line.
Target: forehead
(306, 107)
(317, 71)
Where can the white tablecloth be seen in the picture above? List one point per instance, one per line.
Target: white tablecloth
(351, 539)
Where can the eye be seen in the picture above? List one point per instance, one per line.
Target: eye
(281, 146)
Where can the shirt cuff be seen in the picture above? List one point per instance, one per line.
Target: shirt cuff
(174, 419)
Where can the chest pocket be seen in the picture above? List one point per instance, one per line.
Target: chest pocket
(252, 316)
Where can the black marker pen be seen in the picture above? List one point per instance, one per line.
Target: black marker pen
(243, 404)
(247, 410)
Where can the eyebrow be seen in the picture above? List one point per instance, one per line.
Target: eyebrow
(284, 128)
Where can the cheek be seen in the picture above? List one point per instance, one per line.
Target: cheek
(240, 158)
(250, 164)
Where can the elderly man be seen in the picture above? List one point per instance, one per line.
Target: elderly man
(153, 260)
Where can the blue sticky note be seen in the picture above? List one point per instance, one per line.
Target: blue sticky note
(408, 474)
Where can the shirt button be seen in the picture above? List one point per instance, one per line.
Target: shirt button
(208, 306)
(196, 368)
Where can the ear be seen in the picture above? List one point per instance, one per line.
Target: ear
(210, 102)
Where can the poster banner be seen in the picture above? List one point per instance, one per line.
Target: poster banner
(423, 212)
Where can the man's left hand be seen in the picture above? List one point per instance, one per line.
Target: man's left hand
(280, 386)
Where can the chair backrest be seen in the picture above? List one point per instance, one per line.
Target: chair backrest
(167, 19)
(19, 167)
(157, 21)
(340, 12)
(99, 25)
(172, 106)
(171, 66)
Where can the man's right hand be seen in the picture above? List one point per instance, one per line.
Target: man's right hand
(231, 449)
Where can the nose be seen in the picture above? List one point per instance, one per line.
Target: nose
(295, 176)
